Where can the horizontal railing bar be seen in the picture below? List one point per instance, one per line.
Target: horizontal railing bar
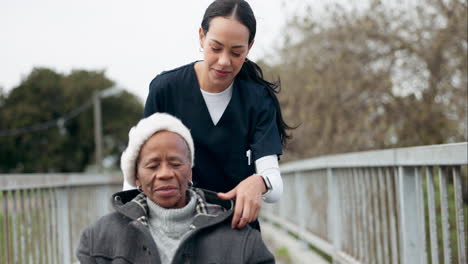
(434, 155)
(342, 257)
(37, 180)
(318, 242)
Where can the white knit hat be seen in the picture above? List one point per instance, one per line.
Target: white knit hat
(142, 132)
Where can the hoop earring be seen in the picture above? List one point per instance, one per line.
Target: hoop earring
(139, 189)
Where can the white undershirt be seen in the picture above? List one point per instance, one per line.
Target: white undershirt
(217, 102)
(268, 166)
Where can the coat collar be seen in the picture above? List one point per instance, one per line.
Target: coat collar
(209, 208)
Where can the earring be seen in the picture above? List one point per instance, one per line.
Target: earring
(139, 189)
(190, 184)
(200, 49)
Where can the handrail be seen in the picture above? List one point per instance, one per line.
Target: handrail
(378, 206)
(54, 180)
(42, 215)
(384, 206)
(447, 154)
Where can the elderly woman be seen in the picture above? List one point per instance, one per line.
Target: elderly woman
(165, 220)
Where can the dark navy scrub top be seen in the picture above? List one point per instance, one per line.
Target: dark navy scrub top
(248, 123)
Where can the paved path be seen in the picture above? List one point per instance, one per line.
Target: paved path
(287, 249)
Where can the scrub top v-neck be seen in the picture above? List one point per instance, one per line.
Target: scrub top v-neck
(247, 124)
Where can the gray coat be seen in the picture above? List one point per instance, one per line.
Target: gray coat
(124, 237)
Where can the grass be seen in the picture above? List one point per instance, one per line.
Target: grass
(282, 255)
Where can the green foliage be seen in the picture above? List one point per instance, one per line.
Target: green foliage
(282, 255)
(2, 97)
(45, 95)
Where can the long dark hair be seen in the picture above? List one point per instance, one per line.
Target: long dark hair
(241, 11)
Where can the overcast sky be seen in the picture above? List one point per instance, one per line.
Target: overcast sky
(131, 40)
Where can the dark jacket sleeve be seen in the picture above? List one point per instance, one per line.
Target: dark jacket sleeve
(255, 250)
(83, 250)
(266, 139)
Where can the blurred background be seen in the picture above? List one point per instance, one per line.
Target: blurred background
(355, 75)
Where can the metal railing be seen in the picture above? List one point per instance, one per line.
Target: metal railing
(42, 215)
(389, 206)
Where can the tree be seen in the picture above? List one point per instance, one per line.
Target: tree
(374, 77)
(44, 97)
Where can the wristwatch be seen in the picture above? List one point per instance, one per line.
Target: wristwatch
(267, 185)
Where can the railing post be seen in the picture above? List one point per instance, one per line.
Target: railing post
(104, 202)
(63, 225)
(98, 131)
(460, 222)
(333, 220)
(410, 244)
(7, 228)
(301, 203)
(421, 215)
(445, 215)
(432, 216)
(284, 200)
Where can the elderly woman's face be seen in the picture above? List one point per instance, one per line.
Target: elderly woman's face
(164, 169)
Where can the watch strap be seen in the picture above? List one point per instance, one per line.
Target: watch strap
(268, 185)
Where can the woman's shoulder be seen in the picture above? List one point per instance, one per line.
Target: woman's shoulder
(177, 77)
(252, 89)
(176, 74)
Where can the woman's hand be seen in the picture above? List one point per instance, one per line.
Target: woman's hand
(248, 194)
